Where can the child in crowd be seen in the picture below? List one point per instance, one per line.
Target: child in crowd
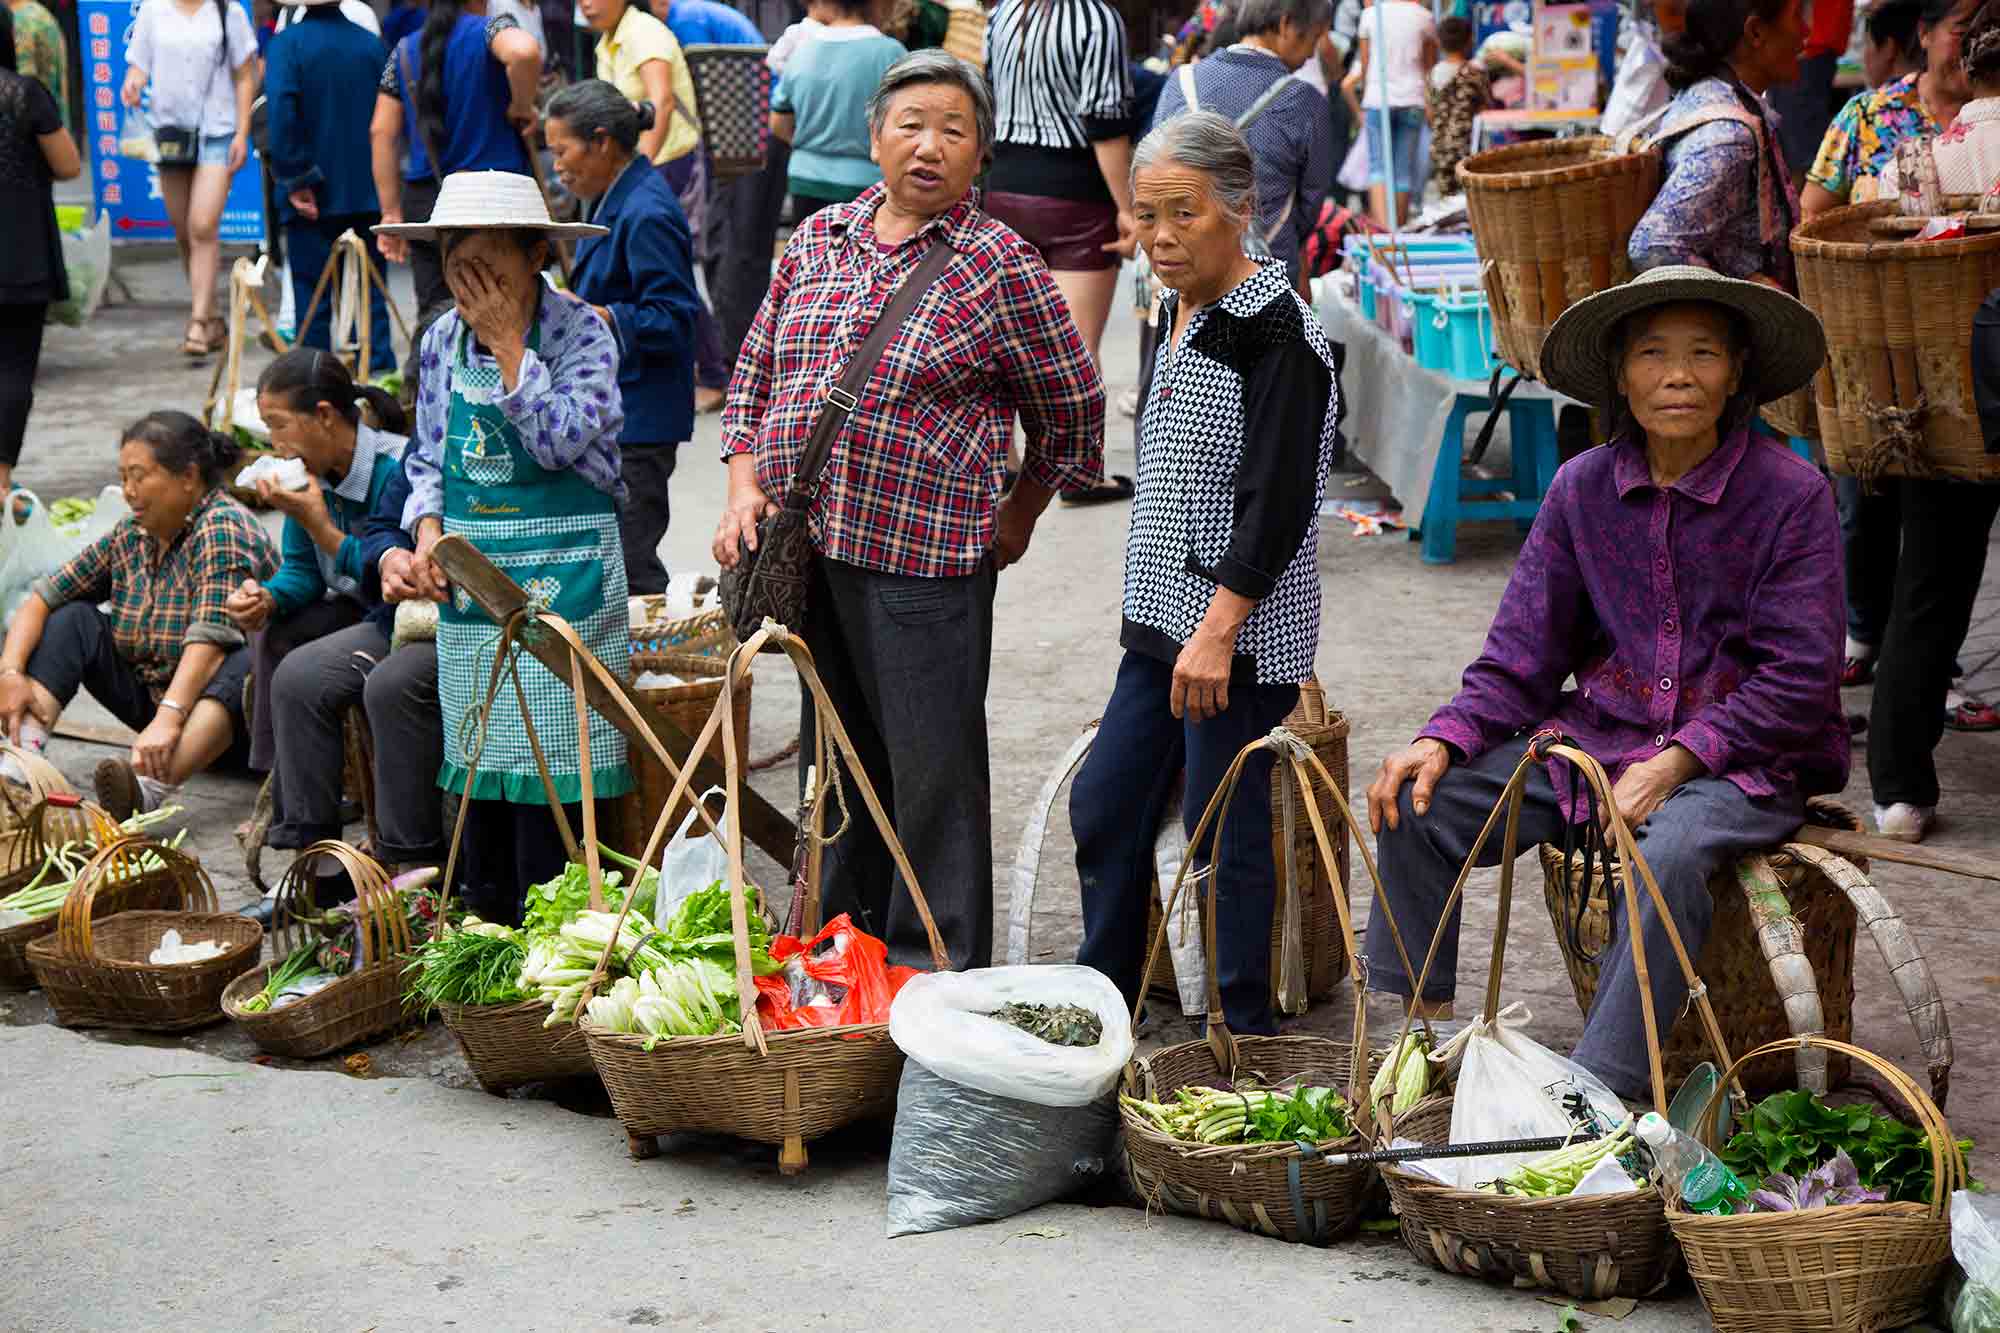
(1460, 90)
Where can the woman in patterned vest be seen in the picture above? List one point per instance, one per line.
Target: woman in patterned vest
(1222, 597)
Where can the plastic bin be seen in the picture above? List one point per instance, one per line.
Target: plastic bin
(1452, 333)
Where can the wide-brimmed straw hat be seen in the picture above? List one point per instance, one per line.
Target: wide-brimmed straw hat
(488, 201)
(1787, 344)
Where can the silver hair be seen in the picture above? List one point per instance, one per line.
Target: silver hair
(1211, 144)
(1261, 16)
(934, 65)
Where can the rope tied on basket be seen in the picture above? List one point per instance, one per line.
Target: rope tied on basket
(1897, 442)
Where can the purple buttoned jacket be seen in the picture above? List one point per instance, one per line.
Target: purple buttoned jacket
(1707, 614)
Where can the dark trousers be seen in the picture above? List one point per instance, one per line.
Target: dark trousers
(1871, 532)
(426, 260)
(269, 648)
(1805, 108)
(1115, 808)
(642, 519)
(508, 849)
(401, 696)
(1946, 526)
(305, 709)
(1703, 826)
(20, 357)
(311, 243)
(746, 217)
(78, 651)
(905, 662)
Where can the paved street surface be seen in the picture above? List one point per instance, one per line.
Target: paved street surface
(170, 1183)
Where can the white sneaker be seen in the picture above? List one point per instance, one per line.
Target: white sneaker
(1905, 822)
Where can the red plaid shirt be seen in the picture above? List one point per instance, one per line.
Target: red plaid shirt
(911, 484)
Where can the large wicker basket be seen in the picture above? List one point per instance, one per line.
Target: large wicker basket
(1850, 1269)
(58, 819)
(1895, 397)
(39, 780)
(508, 1045)
(95, 973)
(687, 705)
(362, 1004)
(1589, 1249)
(1326, 960)
(732, 88)
(1779, 959)
(1551, 220)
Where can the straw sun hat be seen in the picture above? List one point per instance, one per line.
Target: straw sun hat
(488, 201)
(1787, 344)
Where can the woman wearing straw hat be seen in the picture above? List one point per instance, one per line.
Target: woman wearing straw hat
(516, 450)
(1687, 574)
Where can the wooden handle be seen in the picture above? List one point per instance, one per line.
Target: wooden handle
(118, 864)
(381, 926)
(1947, 1162)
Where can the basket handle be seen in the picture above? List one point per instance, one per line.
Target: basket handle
(99, 828)
(116, 863)
(1947, 1162)
(44, 779)
(381, 927)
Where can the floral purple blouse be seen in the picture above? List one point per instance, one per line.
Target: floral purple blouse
(567, 405)
(1726, 201)
(1707, 615)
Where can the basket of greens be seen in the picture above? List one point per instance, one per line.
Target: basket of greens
(43, 859)
(335, 975)
(1846, 1228)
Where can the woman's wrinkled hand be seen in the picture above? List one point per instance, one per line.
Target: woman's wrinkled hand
(425, 574)
(395, 249)
(1201, 677)
(492, 313)
(17, 698)
(1424, 762)
(250, 606)
(153, 752)
(747, 507)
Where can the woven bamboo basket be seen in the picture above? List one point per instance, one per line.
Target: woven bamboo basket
(51, 822)
(1326, 958)
(1851, 1269)
(1779, 960)
(94, 971)
(1551, 220)
(40, 780)
(364, 1003)
(787, 1087)
(732, 88)
(507, 1044)
(687, 706)
(1895, 396)
(1284, 1190)
(1589, 1249)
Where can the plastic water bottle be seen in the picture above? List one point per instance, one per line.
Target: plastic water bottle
(1705, 1184)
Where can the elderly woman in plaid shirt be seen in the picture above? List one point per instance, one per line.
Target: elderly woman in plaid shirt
(909, 518)
(167, 660)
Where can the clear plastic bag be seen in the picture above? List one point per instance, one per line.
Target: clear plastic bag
(34, 547)
(1975, 1243)
(991, 1121)
(135, 136)
(1513, 1087)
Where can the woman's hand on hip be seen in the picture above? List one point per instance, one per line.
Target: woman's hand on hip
(1424, 762)
(1201, 677)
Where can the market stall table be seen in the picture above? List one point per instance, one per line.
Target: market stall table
(1401, 418)
(1562, 124)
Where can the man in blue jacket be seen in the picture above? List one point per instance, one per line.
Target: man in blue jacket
(319, 91)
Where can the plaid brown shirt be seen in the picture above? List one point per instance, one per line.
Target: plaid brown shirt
(161, 601)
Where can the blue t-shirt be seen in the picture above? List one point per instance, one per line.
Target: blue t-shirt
(477, 136)
(704, 22)
(826, 87)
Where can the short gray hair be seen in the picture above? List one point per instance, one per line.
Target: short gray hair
(1211, 144)
(934, 65)
(1260, 16)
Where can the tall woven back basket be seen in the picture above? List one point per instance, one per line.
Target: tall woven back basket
(1551, 221)
(732, 88)
(1895, 395)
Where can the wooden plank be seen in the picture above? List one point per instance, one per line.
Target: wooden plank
(94, 734)
(500, 597)
(1876, 848)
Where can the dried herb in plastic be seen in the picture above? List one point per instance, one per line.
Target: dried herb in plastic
(1057, 1024)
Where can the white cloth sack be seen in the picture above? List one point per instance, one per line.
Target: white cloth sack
(1354, 171)
(991, 1121)
(1512, 1087)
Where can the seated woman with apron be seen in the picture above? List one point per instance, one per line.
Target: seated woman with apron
(516, 450)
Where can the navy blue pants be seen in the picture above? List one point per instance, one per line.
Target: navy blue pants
(1115, 808)
(309, 244)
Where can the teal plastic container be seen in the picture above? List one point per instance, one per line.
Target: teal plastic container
(1452, 333)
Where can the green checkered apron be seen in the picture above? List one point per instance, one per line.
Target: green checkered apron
(556, 536)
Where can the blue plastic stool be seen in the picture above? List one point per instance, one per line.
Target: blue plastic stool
(1455, 497)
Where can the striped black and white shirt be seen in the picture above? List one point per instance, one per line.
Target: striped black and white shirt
(1059, 73)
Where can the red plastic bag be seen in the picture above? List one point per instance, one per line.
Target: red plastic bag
(854, 982)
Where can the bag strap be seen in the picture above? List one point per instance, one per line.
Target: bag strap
(417, 111)
(844, 395)
(1188, 93)
(1264, 99)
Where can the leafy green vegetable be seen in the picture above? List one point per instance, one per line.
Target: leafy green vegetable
(1792, 1133)
(700, 927)
(470, 966)
(302, 962)
(554, 904)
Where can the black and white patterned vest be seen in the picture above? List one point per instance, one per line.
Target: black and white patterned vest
(1191, 440)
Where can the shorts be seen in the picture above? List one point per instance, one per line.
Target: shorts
(1070, 234)
(1406, 131)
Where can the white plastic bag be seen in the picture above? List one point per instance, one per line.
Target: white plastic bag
(1975, 1243)
(1639, 88)
(34, 547)
(1354, 170)
(691, 862)
(87, 260)
(1513, 1087)
(991, 1121)
(135, 136)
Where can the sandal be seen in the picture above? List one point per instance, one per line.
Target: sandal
(194, 342)
(218, 331)
(1105, 492)
(1973, 715)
